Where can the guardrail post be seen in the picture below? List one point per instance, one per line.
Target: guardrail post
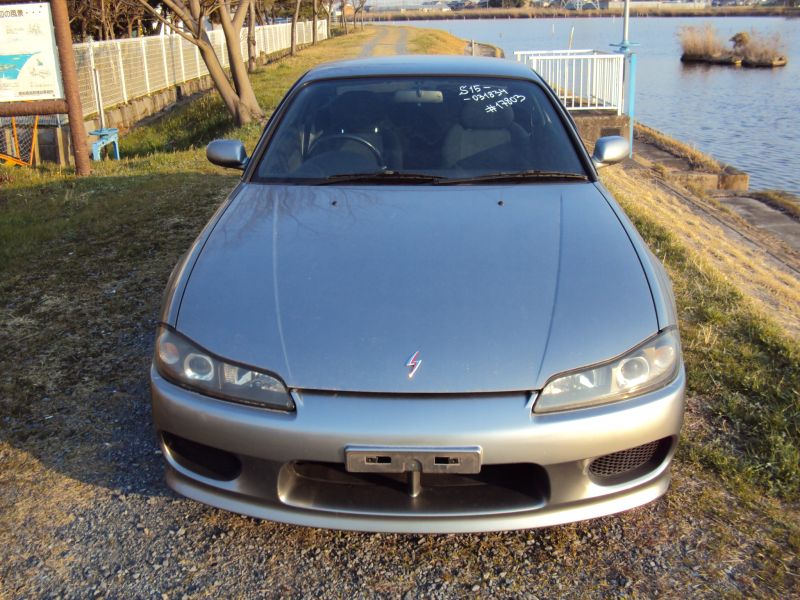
(121, 72)
(164, 60)
(95, 84)
(180, 52)
(144, 65)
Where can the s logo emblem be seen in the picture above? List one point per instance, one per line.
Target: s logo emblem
(413, 364)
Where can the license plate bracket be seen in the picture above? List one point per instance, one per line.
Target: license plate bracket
(394, 459)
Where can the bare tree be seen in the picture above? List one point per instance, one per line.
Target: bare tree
(80, 16)
(252, 50)
(236, 92)
(358, 7)
(295, 16)
(344, 16)
(328, 7)
(314, 12)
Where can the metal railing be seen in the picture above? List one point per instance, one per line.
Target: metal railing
(583, 79)
(115, 72)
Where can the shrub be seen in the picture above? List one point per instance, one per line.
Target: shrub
(701, 42)
(762, 49)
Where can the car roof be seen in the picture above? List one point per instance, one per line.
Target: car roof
(421, 65)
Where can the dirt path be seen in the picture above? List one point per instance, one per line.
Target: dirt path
(389, 41)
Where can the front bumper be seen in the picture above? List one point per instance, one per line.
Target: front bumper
(559, 447)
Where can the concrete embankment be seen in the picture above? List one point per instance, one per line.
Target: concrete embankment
(714, 187)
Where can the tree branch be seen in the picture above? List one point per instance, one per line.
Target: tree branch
(189, 38)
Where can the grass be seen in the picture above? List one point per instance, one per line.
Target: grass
(754, 49)
(743, 370)
(757, 48)
(702, 42)
(783, 201)
(432, 41)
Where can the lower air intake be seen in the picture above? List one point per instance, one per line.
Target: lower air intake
(627, 464)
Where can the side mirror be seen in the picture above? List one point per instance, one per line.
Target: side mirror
(227, 153)
(610, 150)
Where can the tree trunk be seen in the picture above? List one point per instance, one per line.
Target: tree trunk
(222, 84)
(344, 17)
(295, 16)
(314, 11)
(248, 108)
(251, 38)
(237, 92)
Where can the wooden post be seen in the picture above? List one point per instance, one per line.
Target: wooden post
(71, 104)
(69, 77)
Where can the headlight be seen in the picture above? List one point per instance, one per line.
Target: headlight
(186, 364)
(647, 367)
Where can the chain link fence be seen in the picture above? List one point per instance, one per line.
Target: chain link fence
(118, 71)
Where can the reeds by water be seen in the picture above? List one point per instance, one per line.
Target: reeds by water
(703, 44)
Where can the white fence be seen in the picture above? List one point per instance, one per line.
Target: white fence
(583, 79)
(135, 67)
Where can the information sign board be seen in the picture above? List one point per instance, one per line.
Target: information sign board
(29, 67)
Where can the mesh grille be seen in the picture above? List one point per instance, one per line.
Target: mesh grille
(621, 462)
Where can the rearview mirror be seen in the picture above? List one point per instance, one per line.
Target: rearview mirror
(227, 153)
(610, 150)
(418, 96)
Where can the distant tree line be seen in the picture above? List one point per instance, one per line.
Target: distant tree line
(113, 19)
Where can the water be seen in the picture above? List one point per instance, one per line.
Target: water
(749, 118)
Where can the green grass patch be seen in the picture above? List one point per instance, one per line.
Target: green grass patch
(431, 41)
(42, 209)
(742, 370)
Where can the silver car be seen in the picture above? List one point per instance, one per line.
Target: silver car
(419, 311)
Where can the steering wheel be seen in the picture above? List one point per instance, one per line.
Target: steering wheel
(326, 139)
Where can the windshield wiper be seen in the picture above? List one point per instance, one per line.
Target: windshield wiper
(530, 175)
(381, 177)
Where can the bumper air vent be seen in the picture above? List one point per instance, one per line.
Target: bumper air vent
(628, 464)
(201, 459)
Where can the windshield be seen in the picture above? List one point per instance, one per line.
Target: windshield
(419, 130)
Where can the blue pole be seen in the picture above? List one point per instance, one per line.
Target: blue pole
(631, 96)
(625, 48)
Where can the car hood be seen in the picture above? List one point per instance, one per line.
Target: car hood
(497, 287)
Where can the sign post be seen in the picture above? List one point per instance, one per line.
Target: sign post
(32, 80)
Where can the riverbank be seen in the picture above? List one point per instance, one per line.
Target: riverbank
(83, 507)
(775, 213)
(673, 10)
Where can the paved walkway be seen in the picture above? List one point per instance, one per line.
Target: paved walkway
(388, 41)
